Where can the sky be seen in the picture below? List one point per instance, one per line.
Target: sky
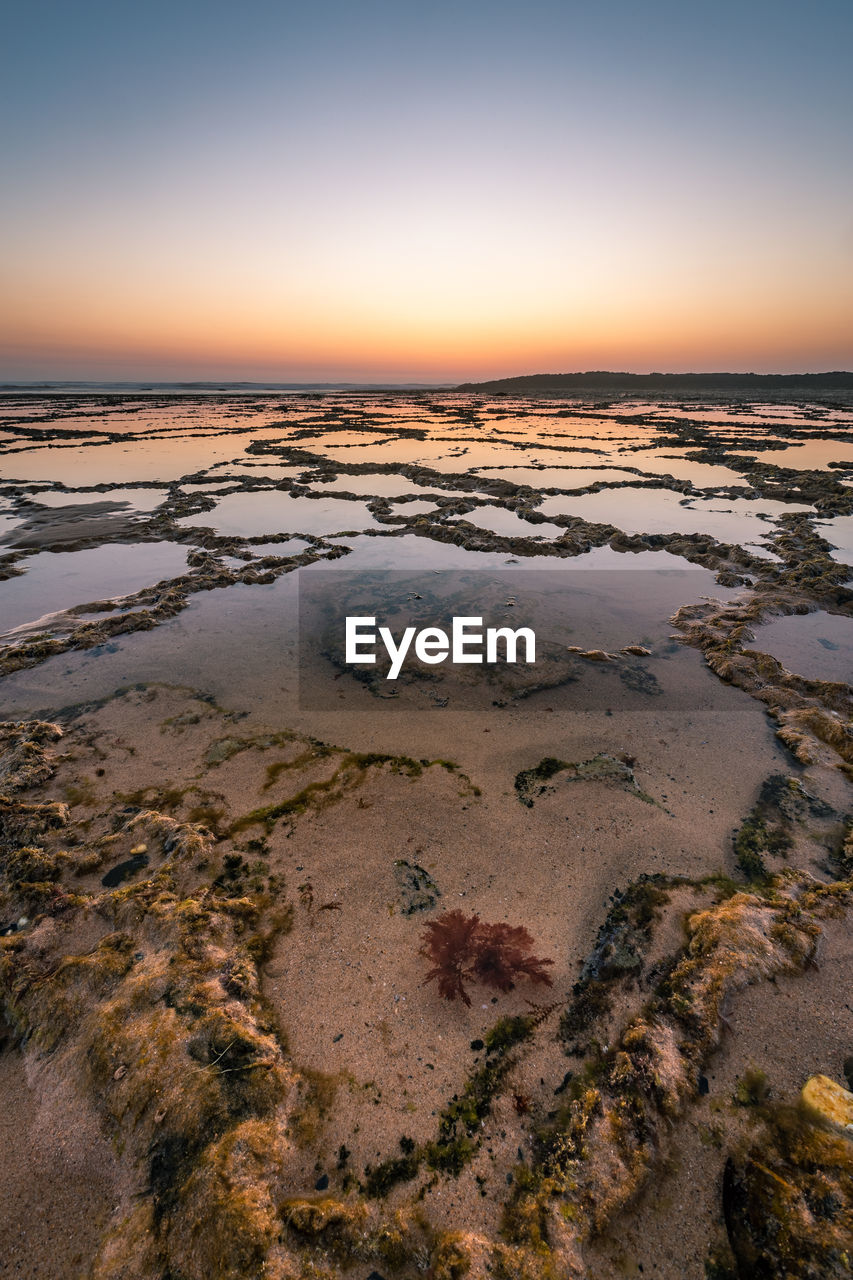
(388, 192)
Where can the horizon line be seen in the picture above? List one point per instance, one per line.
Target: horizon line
(24, 384)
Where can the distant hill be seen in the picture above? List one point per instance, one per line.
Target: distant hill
(697, 383)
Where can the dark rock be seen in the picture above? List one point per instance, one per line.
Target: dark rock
(848, 1071)
(124, 870)
(417, 889)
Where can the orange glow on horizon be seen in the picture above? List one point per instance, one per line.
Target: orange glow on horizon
(420, 293)
(239, 342)
(433, 296)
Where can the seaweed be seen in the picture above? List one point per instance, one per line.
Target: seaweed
(461, 1121)
(768, 828)
(463, 948)
(617, 954)
(348, 774)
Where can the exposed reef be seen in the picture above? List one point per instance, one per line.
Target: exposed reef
(221, 928)
(813, 715)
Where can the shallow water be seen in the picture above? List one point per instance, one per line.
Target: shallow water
(810, 455)
(373, 485)
(702, 474)
(287, 547)
(819, 644)
(60, 580)
(192, 446)
(138, 499)
(636, 510)
(509, 524)
(145, 458)
(839, 532)
(247, 515)
(551, 477)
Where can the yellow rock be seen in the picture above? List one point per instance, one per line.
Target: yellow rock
(139, 848)
(829, 1103)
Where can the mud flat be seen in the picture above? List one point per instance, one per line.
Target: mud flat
(239, 880)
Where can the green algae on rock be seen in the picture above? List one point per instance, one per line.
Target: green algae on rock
(530, 784)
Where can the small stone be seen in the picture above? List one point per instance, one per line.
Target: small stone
(417, 889)
(829, 1104)
(477, 1045)
(120, 1072)
(848, 1072)
(704, 1086)
(138, 848)
(322, 1182)
(160, 1115)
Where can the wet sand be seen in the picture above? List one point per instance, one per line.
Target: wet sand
(58, 1192)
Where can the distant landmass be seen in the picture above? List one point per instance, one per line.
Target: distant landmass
(603, 380)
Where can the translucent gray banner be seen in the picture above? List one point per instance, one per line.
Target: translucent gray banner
(600, 640)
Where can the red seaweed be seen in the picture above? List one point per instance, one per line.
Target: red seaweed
(464, 949)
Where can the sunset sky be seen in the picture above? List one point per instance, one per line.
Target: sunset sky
(381, 191)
